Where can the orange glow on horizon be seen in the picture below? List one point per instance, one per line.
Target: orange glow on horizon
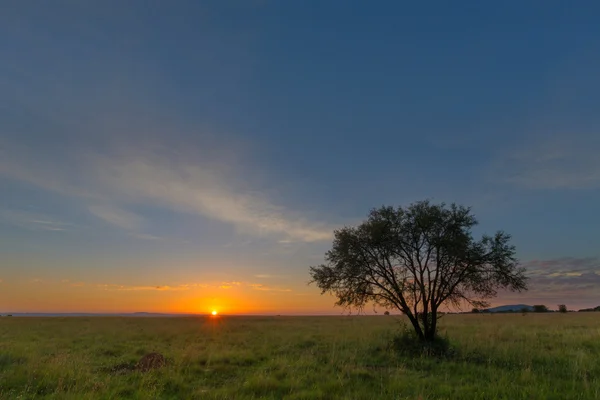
(62, 297)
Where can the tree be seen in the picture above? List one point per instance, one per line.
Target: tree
(524, 310)
(540, 308)
(475, 310)
(416, 259)
(562, 308)
(386, 313)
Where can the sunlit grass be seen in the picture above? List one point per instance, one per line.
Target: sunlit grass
(550, 356)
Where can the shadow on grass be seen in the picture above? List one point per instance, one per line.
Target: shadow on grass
(404, 342)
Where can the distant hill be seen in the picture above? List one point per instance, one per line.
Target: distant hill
(509, 308)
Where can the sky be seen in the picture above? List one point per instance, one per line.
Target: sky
(187, 156)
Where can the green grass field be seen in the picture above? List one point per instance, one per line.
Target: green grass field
(537, 356)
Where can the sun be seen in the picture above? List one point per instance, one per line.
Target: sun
(214, 312)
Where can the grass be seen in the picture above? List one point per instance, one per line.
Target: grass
(550, 356)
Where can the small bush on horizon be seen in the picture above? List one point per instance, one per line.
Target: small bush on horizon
(562, 308)
(540, 308)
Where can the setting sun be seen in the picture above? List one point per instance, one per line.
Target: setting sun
(214, 312)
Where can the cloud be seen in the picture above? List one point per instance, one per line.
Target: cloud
(33, 221)
(562, 266)
(567, 277)
(110, 183)
(229, 285)
(118, 287)
(560, 163)
(113, 287)
(116, 216)
(144, 236)
(263, 276)
(259, 286)
(202, 190)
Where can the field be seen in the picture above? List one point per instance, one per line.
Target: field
(537, 356)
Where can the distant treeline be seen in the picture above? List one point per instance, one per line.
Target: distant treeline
(538, 308)
(590, 309)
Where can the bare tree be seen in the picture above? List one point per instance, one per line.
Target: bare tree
(417, 259)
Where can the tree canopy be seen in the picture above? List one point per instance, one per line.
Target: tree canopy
(417, 259)
(539, 308)
(562, 308)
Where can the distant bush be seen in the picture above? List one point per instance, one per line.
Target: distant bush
(562, 308)
(524, 310)
(540, 308)
(386, 313)
(475, 311)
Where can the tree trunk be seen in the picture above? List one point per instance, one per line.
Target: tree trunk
(430, 333)
(415, 323)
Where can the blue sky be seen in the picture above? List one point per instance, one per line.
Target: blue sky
(173, 144)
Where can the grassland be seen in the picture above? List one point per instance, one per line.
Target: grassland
(513, 357)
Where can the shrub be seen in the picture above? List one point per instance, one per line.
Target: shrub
(406, 343)
(540, 308)
(562, 308)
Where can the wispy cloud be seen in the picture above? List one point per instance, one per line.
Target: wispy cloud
(117, 216)
(166, 179)
(570, 162)
(259, 286)
(202, 190)
(229, 285)
(112, 287)
(567, 277)
(165, 288)
(145, 236)
(562, 266)
(263, 276)
(120, 287)
(32, 221)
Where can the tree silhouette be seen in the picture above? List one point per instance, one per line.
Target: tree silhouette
(417, 259)
(562, 308)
